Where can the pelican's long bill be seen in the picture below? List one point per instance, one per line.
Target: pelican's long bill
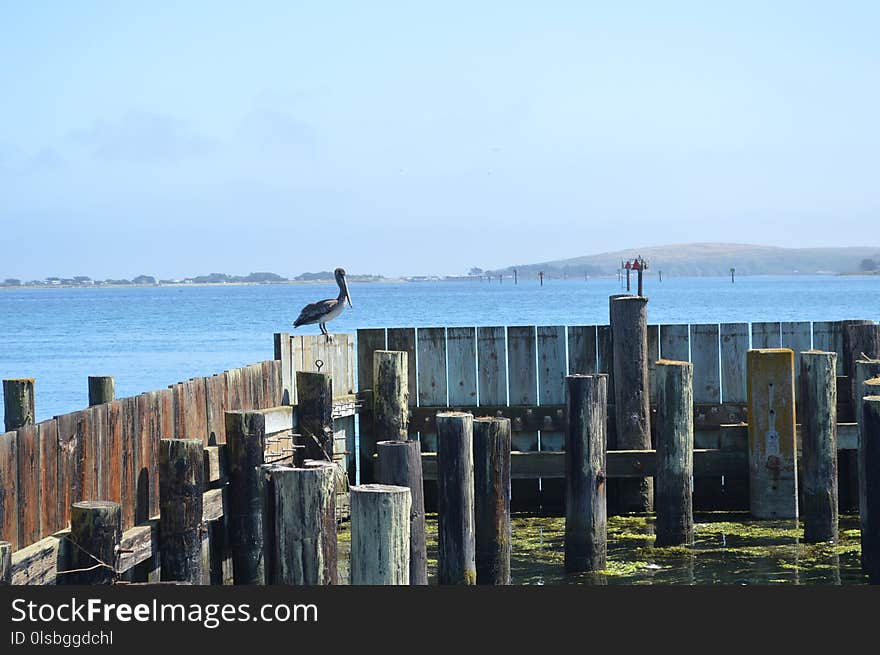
(347, 295)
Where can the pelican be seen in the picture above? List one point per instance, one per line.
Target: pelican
(326, 310)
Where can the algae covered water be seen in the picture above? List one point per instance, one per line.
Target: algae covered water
(729, 548)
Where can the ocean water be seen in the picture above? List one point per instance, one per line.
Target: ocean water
(150, 337)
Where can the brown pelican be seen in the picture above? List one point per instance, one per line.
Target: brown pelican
(326, 310)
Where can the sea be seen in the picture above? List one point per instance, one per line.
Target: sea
(150, 337)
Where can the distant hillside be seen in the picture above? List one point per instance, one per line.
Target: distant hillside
(704, 259)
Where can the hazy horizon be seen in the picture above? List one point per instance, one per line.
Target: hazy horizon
(402, 140)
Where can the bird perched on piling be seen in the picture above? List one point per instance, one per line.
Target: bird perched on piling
(326, 310)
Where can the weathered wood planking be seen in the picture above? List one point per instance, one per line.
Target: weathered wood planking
(653, 356)
(232, 378)
(404, 339)
(215, 404)
(431, 345)
(704, 356)
(283, 356)
(155, 435)
(28, 472)
(582, 349)
(461, 354)
(522, 378)
(130, 456)
(828, 336)
(675, 343)
(605, 361)
(144, 461)
(551, 378)
(47, 436)
(797, 335)
(734, 345)
(70, 462)
(491, 366)
(101, 428)
(368, 341)
(9, 489)
(766, 335)
(113, 441)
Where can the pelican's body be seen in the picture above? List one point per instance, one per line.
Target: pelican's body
(326, 310)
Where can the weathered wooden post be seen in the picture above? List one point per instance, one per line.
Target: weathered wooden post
(380, 534)
(181, 484)
(455, 506)
(96, 532)
(818, 402)
(629, 329)
(245, 447)
(390, 395)
(305, 524)
(492, 500)
(102, 389)
(865, 371)
(271, 555)
(314, 398)
(772, 449)
(861, 340)
(869, 388)
(18, 403)
(870, 445)
(675, 453)
(586, 532)
(5, 563)
(400, 464)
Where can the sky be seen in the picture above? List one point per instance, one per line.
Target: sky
(174, 139)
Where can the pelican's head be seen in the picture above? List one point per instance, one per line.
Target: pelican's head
(343, 284)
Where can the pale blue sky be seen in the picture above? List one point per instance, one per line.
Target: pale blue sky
(403, 138)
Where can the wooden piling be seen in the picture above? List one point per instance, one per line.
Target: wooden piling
(380, 542)
(305, 524)
(400, 464)
(675, 453)
(585, 476)
(390, 395)
(271, 556)
(772, 451)
(181, 485)
(629, 330)
(314, 397)
(868, 388)
(18, 403)
(861, 340)
(818, 404)
(871, 514)
(102, 389)
(95, 533)
(492, 500)
(455, 478)
(5, 563)
(245, 447)
(865, 371)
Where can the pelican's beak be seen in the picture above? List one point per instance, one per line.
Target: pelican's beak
(347, 294)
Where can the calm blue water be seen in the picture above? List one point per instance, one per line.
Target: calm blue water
(151, 337)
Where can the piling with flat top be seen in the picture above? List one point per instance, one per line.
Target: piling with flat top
(18, 403)
(861, 340)
(772, 449)
(492, 500)
(586, 532)
(5, 563)
(314, 398)
(390, 395)
(865, 371)
(869, 388)
(245, 448)
(380, 519)
(629, 329)
(871, 513)
(305, 524)
(400, 464)
(818, 403)
(455, 504)
(181, 484)
(102, 389)
(95, 533)
(675, 453)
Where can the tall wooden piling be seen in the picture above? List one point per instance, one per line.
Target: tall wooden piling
(629, 329)
(865, 371)
(305, 524)
(675, 453)
(586, 532)
(102, 389)
(314, 397)
(380, 543)
(400, 464)
(18, 403)
(772, 450)
(455, 478)
(818, 403)
(95, 533)
(5, 563)
(869, 388)
(871, 513)
(390, 395)
(492, 500)
(245, 447)
(181, 484)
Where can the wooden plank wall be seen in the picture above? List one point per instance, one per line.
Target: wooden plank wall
(110, 451)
